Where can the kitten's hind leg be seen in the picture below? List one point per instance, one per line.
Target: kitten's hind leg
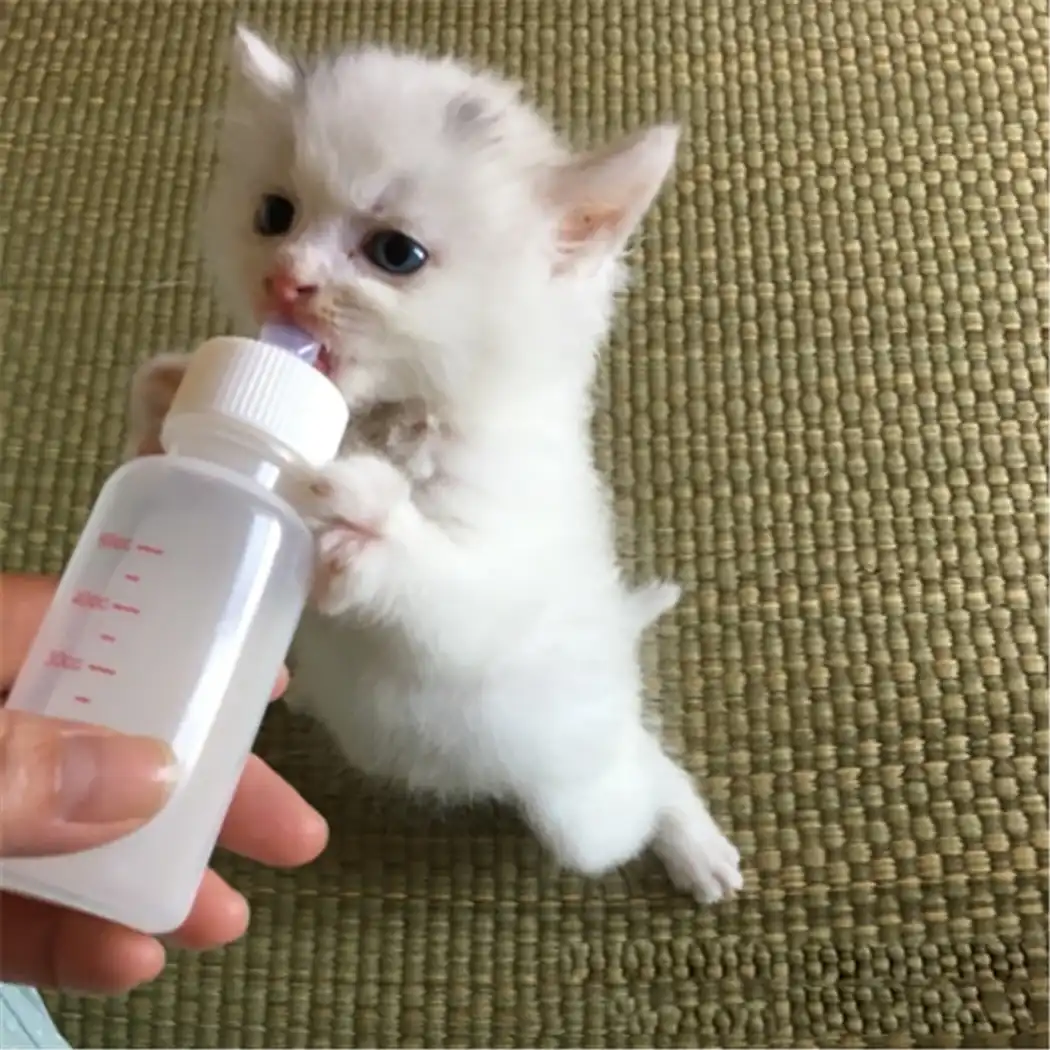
(699, 858)
(596, 823)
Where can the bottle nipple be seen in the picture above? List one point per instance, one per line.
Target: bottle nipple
(287, 337)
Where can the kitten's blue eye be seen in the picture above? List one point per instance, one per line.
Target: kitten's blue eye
(395, 252)
(274, 216)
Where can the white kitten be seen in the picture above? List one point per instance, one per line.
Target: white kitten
(472, 636)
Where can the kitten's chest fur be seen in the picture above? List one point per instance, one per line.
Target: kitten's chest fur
(404, 432)
(440, 704)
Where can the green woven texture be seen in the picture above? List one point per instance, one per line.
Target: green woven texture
(824, 411)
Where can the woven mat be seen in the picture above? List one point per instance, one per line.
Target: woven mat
(824, 412)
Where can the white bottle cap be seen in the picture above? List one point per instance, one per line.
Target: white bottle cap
(263, 389)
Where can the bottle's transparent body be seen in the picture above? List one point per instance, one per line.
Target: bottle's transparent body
(172, 620)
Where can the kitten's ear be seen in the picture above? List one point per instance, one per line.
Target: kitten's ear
(601, 196)
(260, 66)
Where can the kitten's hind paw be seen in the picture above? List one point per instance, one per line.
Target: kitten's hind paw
(699, 859)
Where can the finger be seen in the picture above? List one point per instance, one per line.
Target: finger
(219, 916)
(49, 947)
(23, 602)
(279, 686)
(67, 785)
(270, 822)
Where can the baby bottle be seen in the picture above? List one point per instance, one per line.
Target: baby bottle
(176, 612)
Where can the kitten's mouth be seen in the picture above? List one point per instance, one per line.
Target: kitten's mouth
(325, 361)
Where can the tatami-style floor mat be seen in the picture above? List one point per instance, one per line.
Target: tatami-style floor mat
(824, 412)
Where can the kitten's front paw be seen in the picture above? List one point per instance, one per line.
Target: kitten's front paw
(350, 505)
(153, 389)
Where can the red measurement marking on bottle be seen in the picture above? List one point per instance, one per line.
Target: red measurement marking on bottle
(108, 637)
(145, 548)
(132, 576)
(63, 661)
(82, 699)
(121, 607)
(90, 600)
(101, 669)
(113, 541)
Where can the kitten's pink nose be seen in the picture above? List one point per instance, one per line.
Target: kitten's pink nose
(283, 289)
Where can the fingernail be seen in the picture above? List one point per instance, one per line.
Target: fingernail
(107, 777)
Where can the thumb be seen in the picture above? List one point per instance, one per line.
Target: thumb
(67, 786)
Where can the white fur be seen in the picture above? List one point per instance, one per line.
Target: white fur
(472, 635)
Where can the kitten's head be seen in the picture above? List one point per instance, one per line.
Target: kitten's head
(422, 220)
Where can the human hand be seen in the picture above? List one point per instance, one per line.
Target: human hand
(41, 812)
